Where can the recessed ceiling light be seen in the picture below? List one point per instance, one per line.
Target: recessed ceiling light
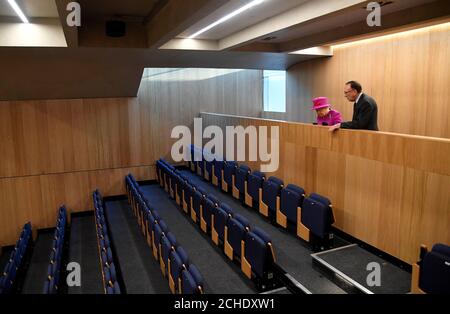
(227, 17)
(18, 11)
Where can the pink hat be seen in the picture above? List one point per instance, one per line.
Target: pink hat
(320, 102)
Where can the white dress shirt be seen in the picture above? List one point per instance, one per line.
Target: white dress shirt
(359, 96)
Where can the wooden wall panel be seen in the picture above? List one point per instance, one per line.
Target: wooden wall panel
(408, 75)
(37, 198)
(389, 190)
(55, 136)
(59, 151)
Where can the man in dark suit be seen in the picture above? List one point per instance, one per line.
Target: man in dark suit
(365, 110)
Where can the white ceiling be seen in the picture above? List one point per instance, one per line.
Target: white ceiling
(31, 8)
(259, 13)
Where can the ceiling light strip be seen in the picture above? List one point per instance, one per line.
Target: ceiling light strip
(227, 17)
(18, 11)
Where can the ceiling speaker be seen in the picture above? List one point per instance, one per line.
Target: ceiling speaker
(115, 28)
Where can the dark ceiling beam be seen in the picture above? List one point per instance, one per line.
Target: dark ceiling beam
(61, 73)
(175, 17)
(435, 11)
(259, 46)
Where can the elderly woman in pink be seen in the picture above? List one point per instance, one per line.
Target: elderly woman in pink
(325, 115)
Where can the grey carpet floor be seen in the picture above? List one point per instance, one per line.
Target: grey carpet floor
(140, 271)
(293, 255)
(220, 275)
(84, 251)
(37, 270)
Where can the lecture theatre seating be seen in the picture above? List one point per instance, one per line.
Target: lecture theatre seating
(183, 277)
(241, 243)
(317, 217)
(209, 166)
(291, 202)
(310, 217)
(228, 177)
(107, 260)
(55, 267)
(16, 261)
(270, 200)
(432, 273)
(218, 173)
(254, 189)
(240, 182)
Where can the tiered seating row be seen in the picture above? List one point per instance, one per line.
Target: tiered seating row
(107, 263)
(54, 268)
(15, 263)
(184, 277)
(250, 246)
(310, 216)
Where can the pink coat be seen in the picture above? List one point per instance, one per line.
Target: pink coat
(332, 118)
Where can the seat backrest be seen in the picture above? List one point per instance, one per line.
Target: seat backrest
(317, 216)
(116, 288)
(241, 177)
(188, 283)
(255, 182)
(208, 210)
(244, 221)
(271, 189)
(156, 215)
(197, 200)
(258, 254)
(193, 270)
(166, 247)
(220, 221)
(227, 208)
(176, 266)
(209, 161)
(182, 254)
(112, 271)
(188, 193)
(109, 255)
(228, 171)
(214, 199)
(441, 249)
(218, 167)
(236, 233)
(158, 234)
(171, 237)
(107, 275)
(163, 226)
(435, 270)
(151, 221)
(291, 197)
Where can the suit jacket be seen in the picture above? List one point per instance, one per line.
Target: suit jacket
(365, 115)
